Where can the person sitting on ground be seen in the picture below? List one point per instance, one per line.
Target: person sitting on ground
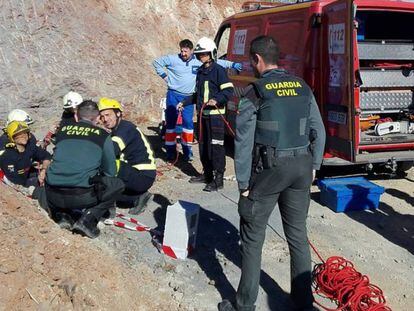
(135, 159)
(16, 115)
(70, 101)
(18, 155)
(80, 183)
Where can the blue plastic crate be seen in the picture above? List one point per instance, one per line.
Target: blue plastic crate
(349, 194)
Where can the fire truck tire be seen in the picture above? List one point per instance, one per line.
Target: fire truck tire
(404, 166)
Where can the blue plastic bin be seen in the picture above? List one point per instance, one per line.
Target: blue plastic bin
(349, 194)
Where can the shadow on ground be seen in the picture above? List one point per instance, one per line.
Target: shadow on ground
(217, 244)
(395, 227)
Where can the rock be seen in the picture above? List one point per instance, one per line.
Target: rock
(9, 266)
(177, 296)
(179, 269)
(69, 287)
(44, 306)
(211, 282)
(89, 301)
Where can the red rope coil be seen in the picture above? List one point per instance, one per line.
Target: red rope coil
(338, 280)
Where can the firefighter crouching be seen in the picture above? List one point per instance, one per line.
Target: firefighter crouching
(213, 90)
(17, 115)
(275, 118)
(17, 156)
(80, 182)
(134, 157)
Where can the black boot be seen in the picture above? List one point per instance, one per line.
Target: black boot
(141, 203)
(65, 221)
(86, 225)
(206, 178)
(216, 184)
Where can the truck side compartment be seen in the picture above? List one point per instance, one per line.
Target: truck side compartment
(358, 58)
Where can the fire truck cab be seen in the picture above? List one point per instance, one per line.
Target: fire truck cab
(358, 58)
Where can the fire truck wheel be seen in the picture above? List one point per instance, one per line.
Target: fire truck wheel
(404, 166)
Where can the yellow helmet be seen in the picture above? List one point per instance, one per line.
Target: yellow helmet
(109, 103)
(16, 127)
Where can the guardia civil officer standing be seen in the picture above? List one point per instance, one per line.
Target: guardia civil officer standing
(276, 116)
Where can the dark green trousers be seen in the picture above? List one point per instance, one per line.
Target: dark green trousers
(65, 200)
(287, 183)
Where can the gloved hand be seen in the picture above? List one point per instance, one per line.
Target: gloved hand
(180, 106)
(237, 66)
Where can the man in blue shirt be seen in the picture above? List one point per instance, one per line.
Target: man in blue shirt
(213, 90)
(179, 72)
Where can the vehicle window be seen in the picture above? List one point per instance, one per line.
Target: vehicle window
(223, 42)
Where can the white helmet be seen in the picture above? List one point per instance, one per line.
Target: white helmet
(205, 45)
(72, 100)
(19, 115)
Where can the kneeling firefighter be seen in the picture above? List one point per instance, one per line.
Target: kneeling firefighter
(134, 156)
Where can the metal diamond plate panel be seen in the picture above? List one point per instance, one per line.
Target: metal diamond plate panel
(386, 100)
(386, 78)
(385, 51)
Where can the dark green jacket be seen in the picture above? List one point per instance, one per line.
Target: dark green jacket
(82, 150)
(246, 127)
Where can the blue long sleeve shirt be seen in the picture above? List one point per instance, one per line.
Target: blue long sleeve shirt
(181, 75)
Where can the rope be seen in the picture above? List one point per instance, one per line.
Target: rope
(226, 123)
(337, 279)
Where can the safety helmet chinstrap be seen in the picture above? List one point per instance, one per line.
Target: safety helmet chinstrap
(206, 45)
(109, 103)
(19, 115)
(72, 100)
(16, 127)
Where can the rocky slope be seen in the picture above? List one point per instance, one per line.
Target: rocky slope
(96, 47)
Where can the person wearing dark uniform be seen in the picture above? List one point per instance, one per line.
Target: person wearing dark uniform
(18, 154)
(17, 115)
(213, 90)
(80, 179)
(276, 116)
(134, 157)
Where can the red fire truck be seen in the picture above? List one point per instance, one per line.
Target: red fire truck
(357, 56)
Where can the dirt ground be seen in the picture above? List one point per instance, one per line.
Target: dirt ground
(105, 48)
(45, 268)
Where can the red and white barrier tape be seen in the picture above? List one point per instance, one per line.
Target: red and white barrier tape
(140, 227)
(156, 236)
